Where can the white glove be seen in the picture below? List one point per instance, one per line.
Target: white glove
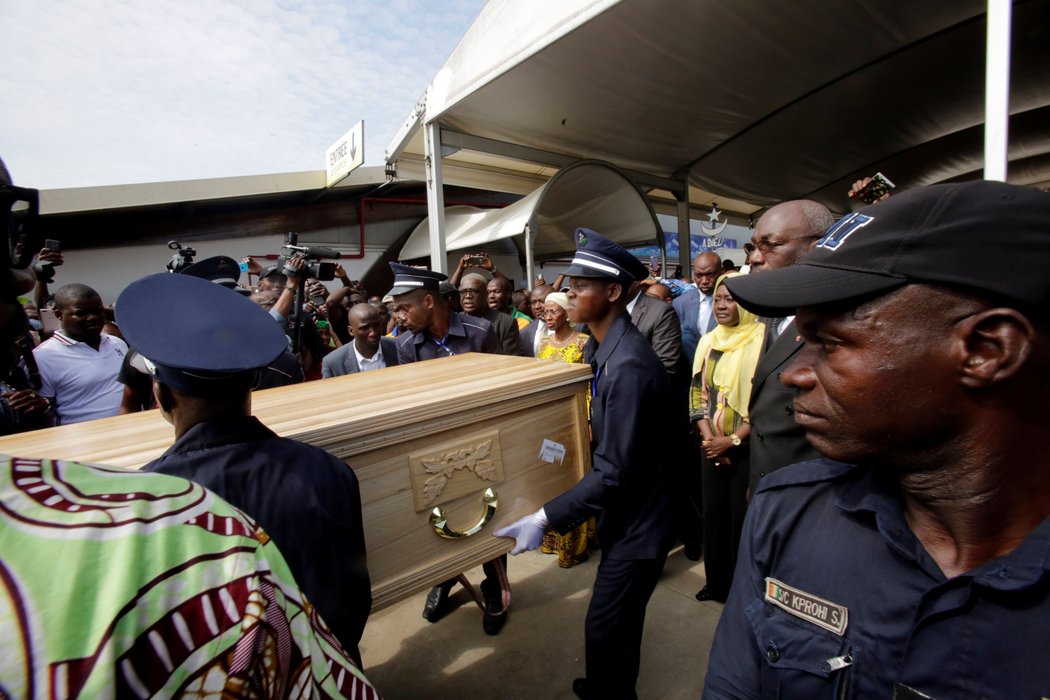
(527, 532)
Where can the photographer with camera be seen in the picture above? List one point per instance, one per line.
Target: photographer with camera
(298, 317)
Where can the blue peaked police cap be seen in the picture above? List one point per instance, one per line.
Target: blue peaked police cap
(199, 337)
(598, 257)
(409, 279)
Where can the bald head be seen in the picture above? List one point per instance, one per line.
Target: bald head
(536, 299)
(659, 291)
(367, 327)
(706, 269)
(499, 292)
(787, 232)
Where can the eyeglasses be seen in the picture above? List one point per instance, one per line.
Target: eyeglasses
(766, 246)
(471, 292)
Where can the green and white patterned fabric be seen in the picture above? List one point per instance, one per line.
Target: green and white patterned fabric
(126, 584)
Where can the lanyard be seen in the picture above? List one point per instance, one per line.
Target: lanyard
(441, 344)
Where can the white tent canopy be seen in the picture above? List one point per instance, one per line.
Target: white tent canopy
(745, 102)
(590, 194)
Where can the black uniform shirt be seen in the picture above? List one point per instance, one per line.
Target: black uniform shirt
(304, 498)
(835, 597)
(465, 334)
(630, 482)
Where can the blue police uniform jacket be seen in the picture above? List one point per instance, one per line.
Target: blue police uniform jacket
(307, 500)
(465, 334)
(629, 486)
(835, 597)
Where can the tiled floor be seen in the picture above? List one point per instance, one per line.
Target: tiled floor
(540, 650)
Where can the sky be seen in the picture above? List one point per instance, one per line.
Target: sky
(127, 91)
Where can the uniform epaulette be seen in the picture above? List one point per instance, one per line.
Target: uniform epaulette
(809, 472)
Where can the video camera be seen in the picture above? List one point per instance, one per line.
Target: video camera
(182, 259)
(312, 265)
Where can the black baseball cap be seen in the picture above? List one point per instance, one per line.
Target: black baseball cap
(986, 236)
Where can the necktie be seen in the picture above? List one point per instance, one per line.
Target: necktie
(706, 320)
(772, 329)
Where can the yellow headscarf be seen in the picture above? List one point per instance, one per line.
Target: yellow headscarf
(741, 346)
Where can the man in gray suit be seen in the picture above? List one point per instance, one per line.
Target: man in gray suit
(783, 235)
(369, 350)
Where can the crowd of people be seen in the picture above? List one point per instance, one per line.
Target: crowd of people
(752, 415)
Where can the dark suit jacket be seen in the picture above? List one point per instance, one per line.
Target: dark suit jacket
(507, 331)
(344, 361)
(776, 439)
(630, 483)
(687, 306)
(528, 336)
(659, 323)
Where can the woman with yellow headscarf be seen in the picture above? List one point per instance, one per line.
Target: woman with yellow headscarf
(725, 363)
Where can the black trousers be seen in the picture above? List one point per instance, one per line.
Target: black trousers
(615, 619)
(725, 502)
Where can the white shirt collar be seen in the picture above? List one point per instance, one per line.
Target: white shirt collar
(633, 302)
(362, 360)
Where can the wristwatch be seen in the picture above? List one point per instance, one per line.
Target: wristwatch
(735, 439)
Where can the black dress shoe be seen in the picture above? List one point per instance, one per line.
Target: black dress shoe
(693, 550)
(495, 617)
(579, 686)
(434, 608)
(706, 593)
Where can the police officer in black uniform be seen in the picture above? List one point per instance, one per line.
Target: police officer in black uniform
(434, 331)
(629, 487)
(915, 565)
(204, 345)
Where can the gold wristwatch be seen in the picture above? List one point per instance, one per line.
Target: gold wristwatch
(735, 439)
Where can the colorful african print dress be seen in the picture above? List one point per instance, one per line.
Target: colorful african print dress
(128, 584)
(572, 547)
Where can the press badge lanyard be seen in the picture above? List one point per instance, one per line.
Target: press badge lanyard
(441, 344)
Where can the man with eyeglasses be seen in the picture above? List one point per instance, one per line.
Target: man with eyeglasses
(782, 237)
(474, 298)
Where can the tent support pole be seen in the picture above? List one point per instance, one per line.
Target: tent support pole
(530, 275)
(684, 250)
(997, 91)
(435, 196)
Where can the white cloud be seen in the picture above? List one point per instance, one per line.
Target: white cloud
(145, 90)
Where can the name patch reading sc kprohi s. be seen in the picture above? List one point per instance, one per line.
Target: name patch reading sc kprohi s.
(807, 606)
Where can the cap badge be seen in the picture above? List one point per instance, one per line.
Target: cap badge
(581, 238)
(843, 229)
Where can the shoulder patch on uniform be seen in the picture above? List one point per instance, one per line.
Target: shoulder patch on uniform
(806, 606)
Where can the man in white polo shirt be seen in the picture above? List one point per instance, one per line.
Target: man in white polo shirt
(79, 364)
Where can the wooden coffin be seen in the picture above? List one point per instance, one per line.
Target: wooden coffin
(430, 435)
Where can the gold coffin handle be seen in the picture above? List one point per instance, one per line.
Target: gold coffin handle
(440, 523)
